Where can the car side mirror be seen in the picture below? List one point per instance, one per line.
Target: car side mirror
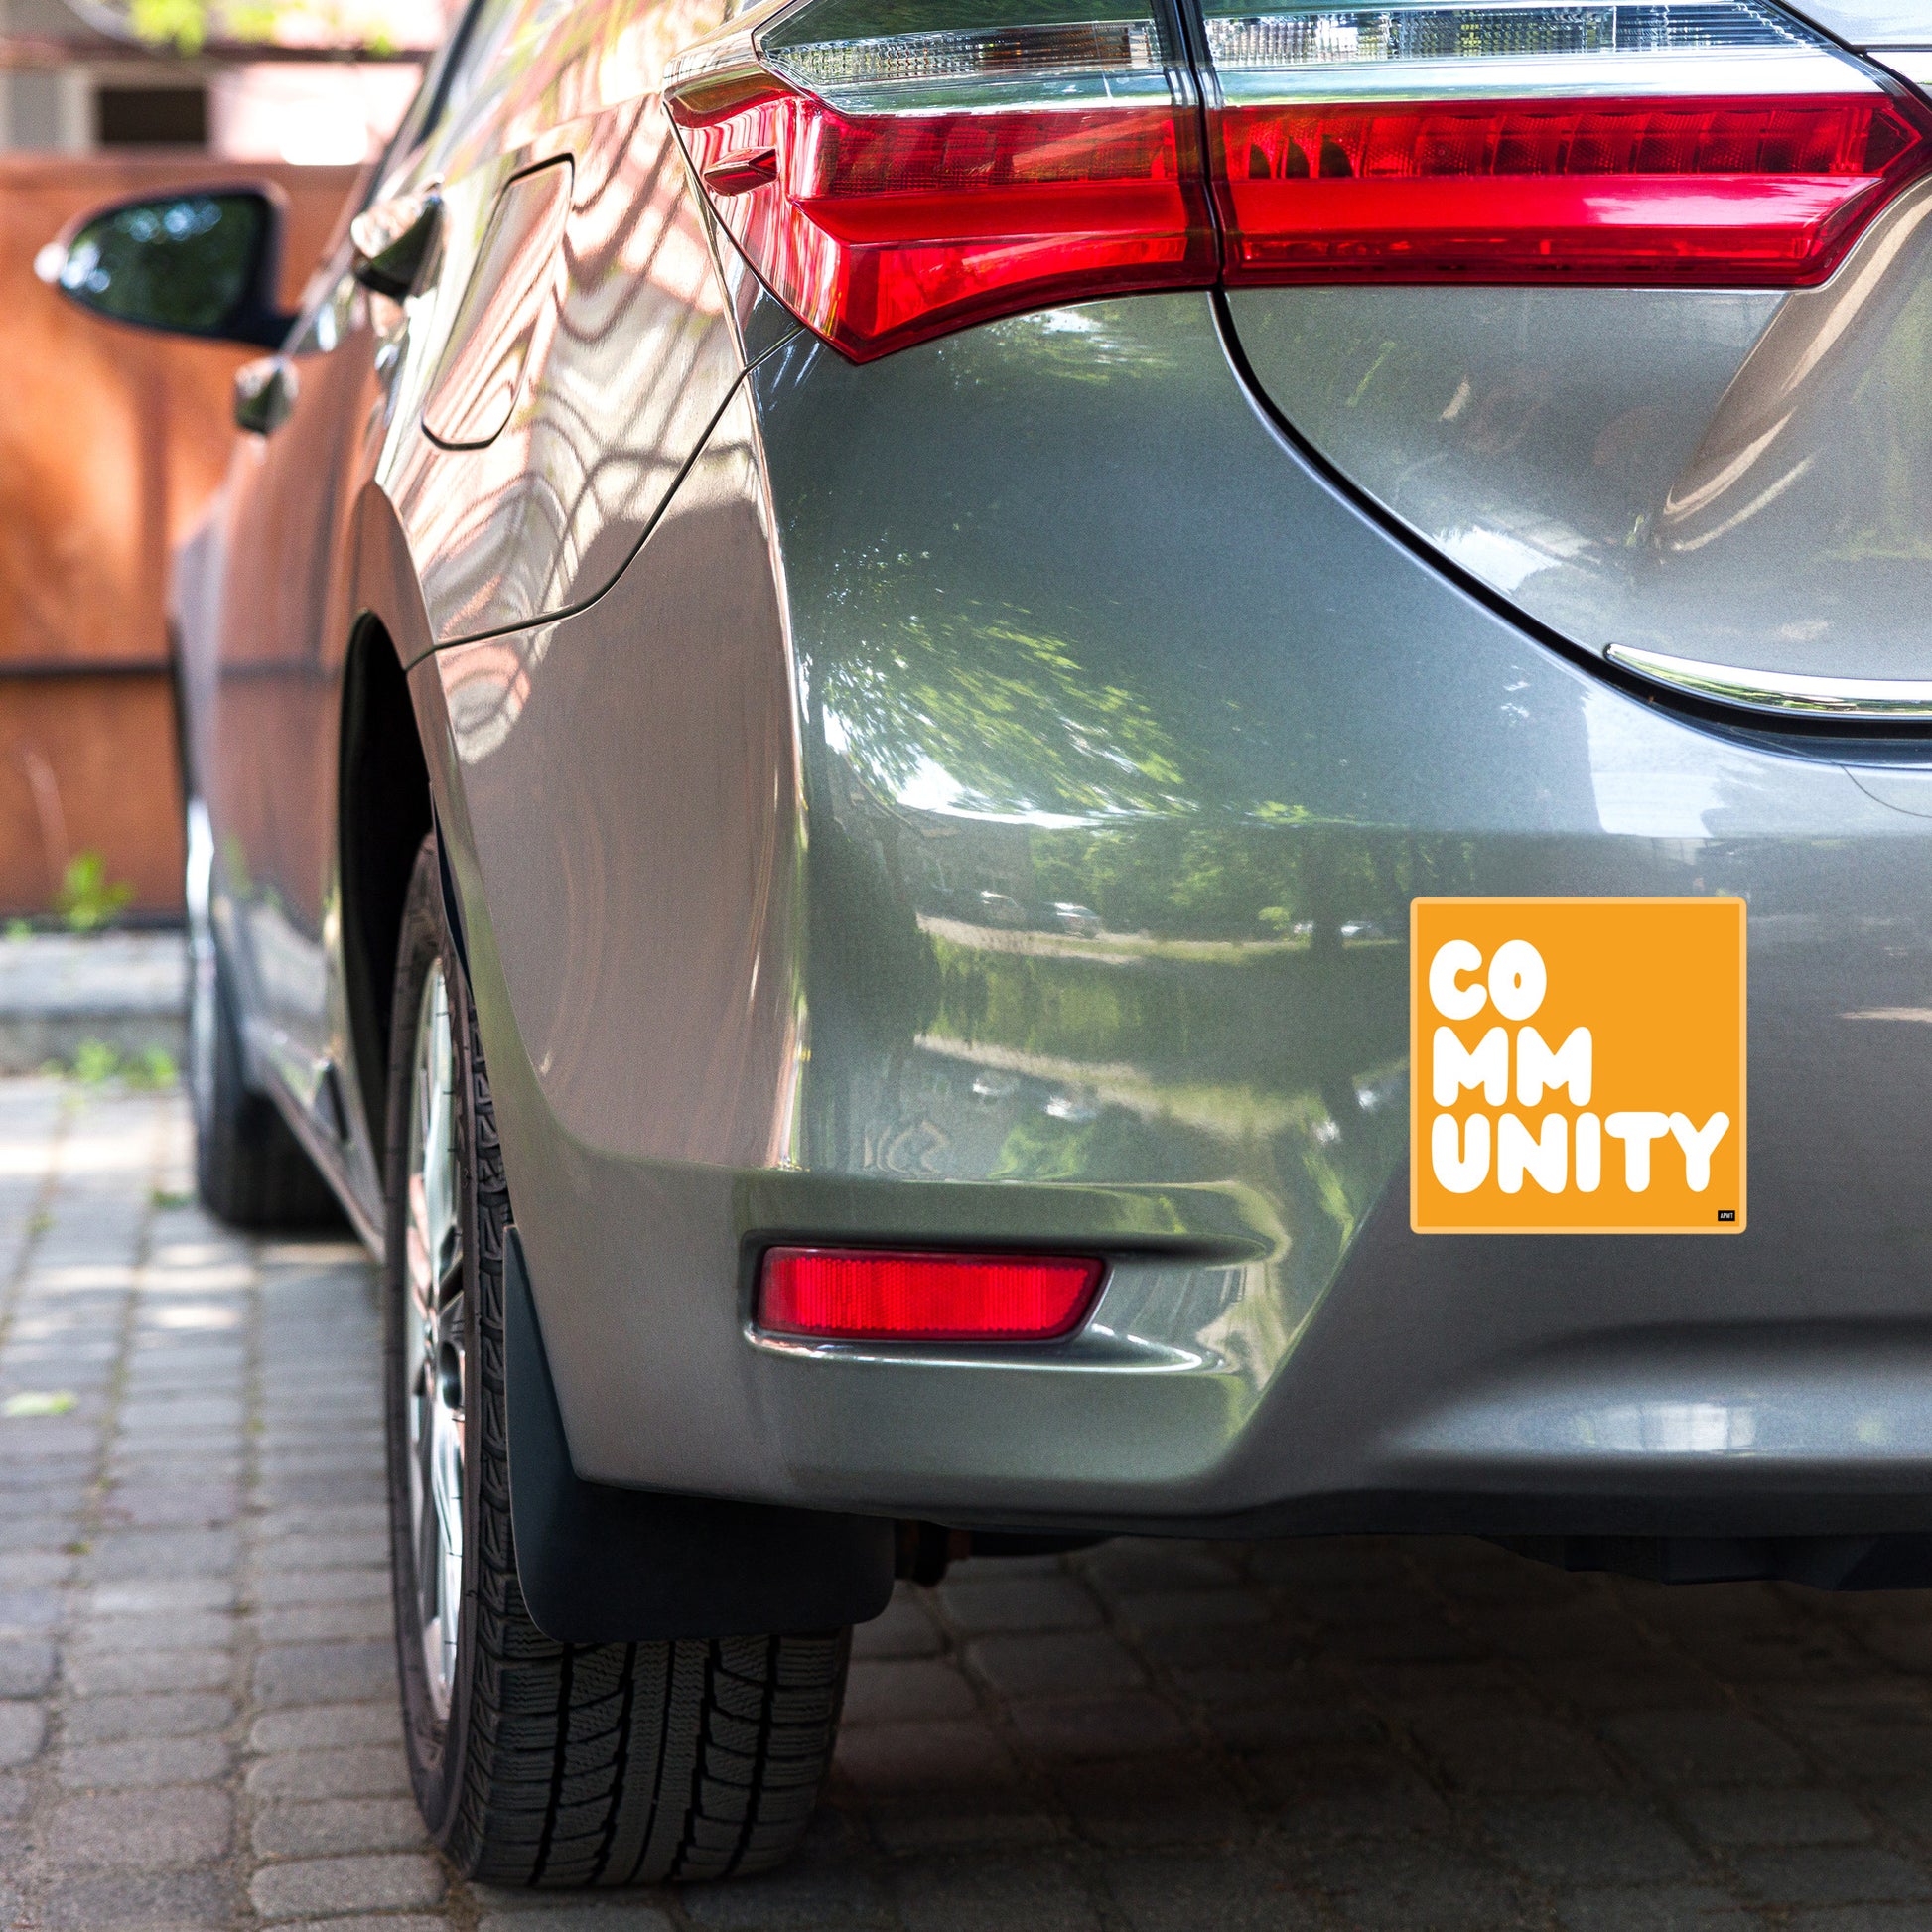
(264, 393)
(197, 262)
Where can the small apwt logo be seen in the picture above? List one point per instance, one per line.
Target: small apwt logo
(1576, 1066)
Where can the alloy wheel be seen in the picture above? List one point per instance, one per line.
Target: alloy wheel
(433, 1270)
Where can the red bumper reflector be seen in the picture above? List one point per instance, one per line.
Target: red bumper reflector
(863, 1295)
(1725, 192)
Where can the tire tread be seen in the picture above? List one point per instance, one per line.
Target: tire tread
(610, 1764)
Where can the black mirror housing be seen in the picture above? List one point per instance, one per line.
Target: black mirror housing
(199, 263)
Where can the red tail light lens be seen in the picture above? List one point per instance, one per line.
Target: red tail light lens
(892, 189)
(860, 1294)
(1714, 143)
(1713, 191)
(894, 186)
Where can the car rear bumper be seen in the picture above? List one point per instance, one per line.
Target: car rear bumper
(760, 858)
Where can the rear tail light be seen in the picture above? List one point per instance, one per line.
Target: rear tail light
(865, 1294)
(893, 185)
(1715, 143)
(890, 186)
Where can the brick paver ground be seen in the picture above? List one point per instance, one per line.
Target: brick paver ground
(197, 1727)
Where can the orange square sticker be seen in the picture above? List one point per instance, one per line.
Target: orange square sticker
(1576, 1066)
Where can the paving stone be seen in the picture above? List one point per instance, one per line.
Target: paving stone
(1396, 1887)
(162, 1553)
(1705, 1747)
(326, 1673)
(1126, 1724)
(1230, 1891)
(1671, 1908)
(145, 1761)
(1830, 1875)
(1055, 1665)
(180, 1713)
(302, 1553)
(913, 1757)
(93, 1670)
(1589, 1840)
(1055, 1601)
(577, 1915)
(806, 1894)
(306, 1886)
(1344, 1790)
(1191, 1609)
(162, 1628)
(365, 1922)
(152, 1901)
(22, 1729)
(904, 1691)
(1862, 1918)
(1146, 1804)
(363, 1771)
(357, 1617)
(337, 1825)
(327, 1725)
(167, 1601)
(25, 1667)
(1773, 1816)
(142, 1831)
(1491, 1748)
(952, 1822)
(322, 1585)
(1039, 1891)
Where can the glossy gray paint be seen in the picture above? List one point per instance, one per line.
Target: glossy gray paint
(1724, 476)
(631, 351)
(1050, 611)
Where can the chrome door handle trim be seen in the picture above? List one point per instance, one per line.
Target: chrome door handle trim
(1781, 691)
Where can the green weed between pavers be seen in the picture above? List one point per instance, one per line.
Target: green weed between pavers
(37, 1402)
(88, 898)
(97, 1062)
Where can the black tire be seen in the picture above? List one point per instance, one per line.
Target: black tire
(249, 1168)
(563, 1764)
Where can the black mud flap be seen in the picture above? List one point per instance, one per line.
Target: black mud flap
(603, 1564)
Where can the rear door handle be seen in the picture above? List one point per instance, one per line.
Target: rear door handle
(392, 243)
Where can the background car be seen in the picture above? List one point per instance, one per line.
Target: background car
(739, 481)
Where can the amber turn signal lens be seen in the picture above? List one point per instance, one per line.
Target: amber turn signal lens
(869, 1294)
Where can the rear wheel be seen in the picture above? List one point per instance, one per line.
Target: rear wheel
(249, 1168)
(541, 1763)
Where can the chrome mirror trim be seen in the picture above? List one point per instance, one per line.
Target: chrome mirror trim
(1781, 691)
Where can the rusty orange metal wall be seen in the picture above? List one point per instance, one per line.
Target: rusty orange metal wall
(110, 441)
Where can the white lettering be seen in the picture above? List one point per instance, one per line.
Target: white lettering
(1699, 1144)
(1454, 1002)
(1456, 1069)
(1545, 1160)
(1636, 1132)
(1518, 979)
(1537, 1067)
(1589, 1154)
(1461, 1169)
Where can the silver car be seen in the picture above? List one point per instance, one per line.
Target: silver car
(845, 642)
